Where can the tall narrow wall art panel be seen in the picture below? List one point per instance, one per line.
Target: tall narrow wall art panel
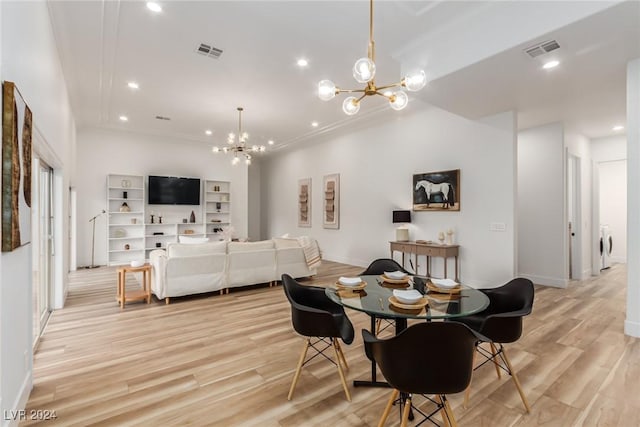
(16, 169)
(304, 202)
(331, 195)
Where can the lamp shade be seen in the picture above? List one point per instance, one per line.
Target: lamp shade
(401, 217)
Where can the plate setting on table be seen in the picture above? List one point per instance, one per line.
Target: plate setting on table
(351, 283)
(444, 286)
(409, 299)
(395, 277)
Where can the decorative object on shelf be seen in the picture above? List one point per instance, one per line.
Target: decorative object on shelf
(450, 236)
(331, 209)
(192, 217)
(93, 238)
(125, 207)
(127, 247)
(216, 220)
(188, 231)
(125, 183)
(184, 220)
(239, 145)
(441, 237)
(118, 233)
(153, 220)
(125, 195)
(364, 71)
(224, 198)
(158, 245)
(216, 188)
(17, 126)
(217, 230)
(436, 191)
(158, 233)
(403, 218)
(304, 202)
(134, 220)
(159, 218)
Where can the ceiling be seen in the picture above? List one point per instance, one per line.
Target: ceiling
(105, 44)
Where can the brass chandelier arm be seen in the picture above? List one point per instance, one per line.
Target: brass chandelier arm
(372, 46)
(389, 86)
(349, 90)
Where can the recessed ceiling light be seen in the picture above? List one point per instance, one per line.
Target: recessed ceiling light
(133, 85)
(154, 7)
(208, 132)
(617, 128)
(302, 62)
(124, 118)
(551, 64)
(314, 124)
(270, 142)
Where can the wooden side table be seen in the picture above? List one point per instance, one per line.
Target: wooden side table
(123, 296)
(429, 250)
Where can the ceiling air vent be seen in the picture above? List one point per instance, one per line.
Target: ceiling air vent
(542, 48)
(163, 118)
(208, 50)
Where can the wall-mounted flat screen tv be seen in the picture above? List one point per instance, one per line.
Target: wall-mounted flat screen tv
(171, 190)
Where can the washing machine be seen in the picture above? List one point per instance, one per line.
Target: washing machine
(606, 246)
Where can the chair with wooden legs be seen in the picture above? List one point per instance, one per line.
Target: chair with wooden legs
(429, 359)
(377, 267)
(322, 322)
(501, 323)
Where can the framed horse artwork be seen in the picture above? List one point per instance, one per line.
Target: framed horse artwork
(437, 191)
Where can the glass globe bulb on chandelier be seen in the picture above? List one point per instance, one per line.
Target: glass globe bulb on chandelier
(364, 71)
(237, 144)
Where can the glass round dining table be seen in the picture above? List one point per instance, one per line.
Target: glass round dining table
(374, 300)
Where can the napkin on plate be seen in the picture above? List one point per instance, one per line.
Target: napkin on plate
(349, 281)
(444, 283)
(395, 275)
(409, 296)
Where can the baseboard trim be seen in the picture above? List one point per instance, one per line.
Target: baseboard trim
(20, 403)
(632, 328)
(546, 281)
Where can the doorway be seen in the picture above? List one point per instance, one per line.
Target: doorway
(43, 247)
(574, 217)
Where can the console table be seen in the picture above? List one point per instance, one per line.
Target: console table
(429, 250)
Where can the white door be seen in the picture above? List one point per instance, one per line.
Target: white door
(43, 268)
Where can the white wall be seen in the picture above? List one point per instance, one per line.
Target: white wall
(29, 58)
(101, 152)
(632, 322)
(580, 146)
(613, 205)
(254, 202)
(541, 205)
(376, 165)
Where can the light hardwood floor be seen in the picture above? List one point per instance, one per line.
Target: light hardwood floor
(228, 360)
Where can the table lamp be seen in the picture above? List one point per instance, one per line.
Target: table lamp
(402, 232)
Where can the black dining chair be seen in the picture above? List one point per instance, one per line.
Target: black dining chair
(501, 323)
(410, 368)
(315, 316)
(378, 267)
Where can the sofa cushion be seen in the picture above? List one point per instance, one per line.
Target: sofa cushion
(192, 240)
(286, 243)
(186, 249)
(249, 246)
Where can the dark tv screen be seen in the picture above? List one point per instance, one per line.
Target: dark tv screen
(171, 190)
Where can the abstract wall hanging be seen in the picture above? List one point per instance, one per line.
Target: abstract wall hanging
(304, 202)
(331, 209)
(16, 169)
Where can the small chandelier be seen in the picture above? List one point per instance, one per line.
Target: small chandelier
(238, 144)
(364, 71)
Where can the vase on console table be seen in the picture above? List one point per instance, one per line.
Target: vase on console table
(192, 218)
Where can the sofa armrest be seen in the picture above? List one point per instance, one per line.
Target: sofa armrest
(158, 261)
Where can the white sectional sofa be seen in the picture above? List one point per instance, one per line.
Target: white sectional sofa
(186, 269)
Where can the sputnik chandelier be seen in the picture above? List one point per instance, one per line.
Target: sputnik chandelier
(238, 144)
(364, 71)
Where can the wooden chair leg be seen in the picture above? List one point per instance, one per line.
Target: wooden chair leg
(342, 378)
(467, 392)
(405, 413)
(449, 413)
(298, 368)
(387, 409)
(344, 360)
(516, 381)
(443, 412)
(494, 351)
(166, 300)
